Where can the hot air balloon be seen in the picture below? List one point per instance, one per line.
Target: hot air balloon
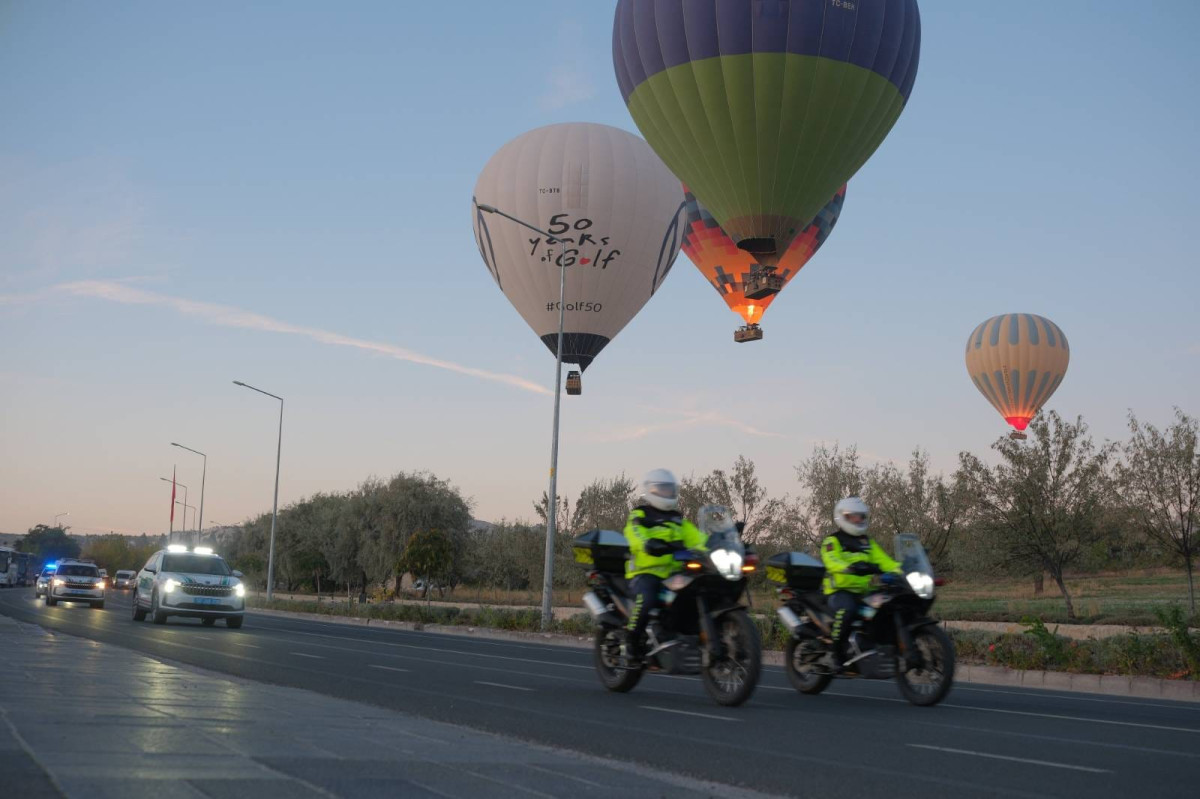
(1017, 361)
(765, 108)
(727, 268)
(618, 211)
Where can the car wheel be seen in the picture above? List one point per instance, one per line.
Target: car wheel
(233, 622)
(138, 613)
(209, 622)
(156, 615)
(98, 605)
(51, 601)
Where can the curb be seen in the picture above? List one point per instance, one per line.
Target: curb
(1103, 684)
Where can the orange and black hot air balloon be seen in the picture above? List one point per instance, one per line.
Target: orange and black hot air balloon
(1017, 361)
(728, 268)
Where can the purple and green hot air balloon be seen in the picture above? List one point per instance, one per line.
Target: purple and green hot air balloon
(765, 108)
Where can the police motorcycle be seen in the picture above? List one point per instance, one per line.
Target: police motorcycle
(701, 627)
(893, 637)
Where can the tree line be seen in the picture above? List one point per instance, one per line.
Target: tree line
(1055, 503)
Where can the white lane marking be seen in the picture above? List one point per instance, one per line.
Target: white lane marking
(1060, 739)
(687, 713)
(1029, 760)
(1074, 718)
(248, 646)
(306, 655)
(387, 668)
(562, 775)
(501, 685)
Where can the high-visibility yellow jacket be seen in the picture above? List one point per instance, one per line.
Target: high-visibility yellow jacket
(840, 551)
(645, 523)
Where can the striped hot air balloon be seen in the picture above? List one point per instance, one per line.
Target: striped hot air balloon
(1017, 361)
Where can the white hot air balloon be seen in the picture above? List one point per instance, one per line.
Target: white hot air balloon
(618, 210)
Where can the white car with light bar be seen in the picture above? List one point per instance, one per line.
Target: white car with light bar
(76, 581)
(194, 583)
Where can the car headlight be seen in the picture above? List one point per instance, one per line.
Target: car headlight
(239, 590)
(169, 586)
(59, 582)
(920, 583)
(728, 563)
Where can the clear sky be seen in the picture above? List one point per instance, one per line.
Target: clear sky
(277, 192)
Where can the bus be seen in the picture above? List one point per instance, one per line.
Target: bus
(9, 565)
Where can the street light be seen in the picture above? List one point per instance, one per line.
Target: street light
(275, 504)
(551, 510)
(57, 516)
(185, 510)
(170, 538)
(203, 474)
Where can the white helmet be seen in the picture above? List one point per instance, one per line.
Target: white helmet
(660, 490)
(851, 515)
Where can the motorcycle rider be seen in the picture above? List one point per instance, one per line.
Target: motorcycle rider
(851, 560)
(655, 530)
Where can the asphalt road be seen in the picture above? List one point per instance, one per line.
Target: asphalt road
(859, 738)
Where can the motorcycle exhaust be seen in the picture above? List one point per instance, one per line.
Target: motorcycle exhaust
(789, 619)
(595, 605)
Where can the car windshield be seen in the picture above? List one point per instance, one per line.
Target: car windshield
(195, 564)
(124, 574)
(78, 571)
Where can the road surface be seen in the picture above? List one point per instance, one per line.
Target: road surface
(858, 739)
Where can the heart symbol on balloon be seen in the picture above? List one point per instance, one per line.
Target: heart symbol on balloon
(585, 260)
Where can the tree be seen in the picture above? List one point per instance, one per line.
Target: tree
(1160, 482)
(49, 543)
(828, 475)
(429, 555)
(914, 501)
(1043, 506)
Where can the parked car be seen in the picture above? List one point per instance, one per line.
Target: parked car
(75, 581)
(195, 583)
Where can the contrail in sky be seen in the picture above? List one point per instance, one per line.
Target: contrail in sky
(226, 316)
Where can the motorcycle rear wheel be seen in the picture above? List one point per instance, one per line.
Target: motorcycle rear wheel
(731, 680)
(926, 686)
(805, 681)
(605, 656)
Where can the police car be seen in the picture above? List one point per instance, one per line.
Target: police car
(195, 583)
(75, 581)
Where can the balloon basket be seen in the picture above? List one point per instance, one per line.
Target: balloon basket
(1017, 435)
(574, 384)
(747, 333)
(762, 283)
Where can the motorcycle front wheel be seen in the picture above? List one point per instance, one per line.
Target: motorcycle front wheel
(730, 679)
(930, 681)
(607, 657)
(804, 671)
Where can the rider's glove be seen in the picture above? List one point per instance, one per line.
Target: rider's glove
(862, 569)
(657, 547)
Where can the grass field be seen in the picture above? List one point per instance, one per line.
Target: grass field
(1129, 597)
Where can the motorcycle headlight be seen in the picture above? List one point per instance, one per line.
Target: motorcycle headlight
(728, 563)
(921, 584)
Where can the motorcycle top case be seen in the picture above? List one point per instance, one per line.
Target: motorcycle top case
(796, 570)
(602, 550)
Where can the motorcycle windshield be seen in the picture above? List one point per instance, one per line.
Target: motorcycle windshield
(726, 540)
(912, 556)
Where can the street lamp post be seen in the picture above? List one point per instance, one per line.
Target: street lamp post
(275, 502)
(552, 508)
(203, 475)
(182, 527)
(58, 516)
(185, 510)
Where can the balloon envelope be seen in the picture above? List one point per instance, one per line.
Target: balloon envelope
(1017, 361)
(725, 266)
(765, 108)
(616, 205)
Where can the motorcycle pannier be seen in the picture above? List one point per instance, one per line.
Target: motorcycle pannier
(796, 570)
(602, 550)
